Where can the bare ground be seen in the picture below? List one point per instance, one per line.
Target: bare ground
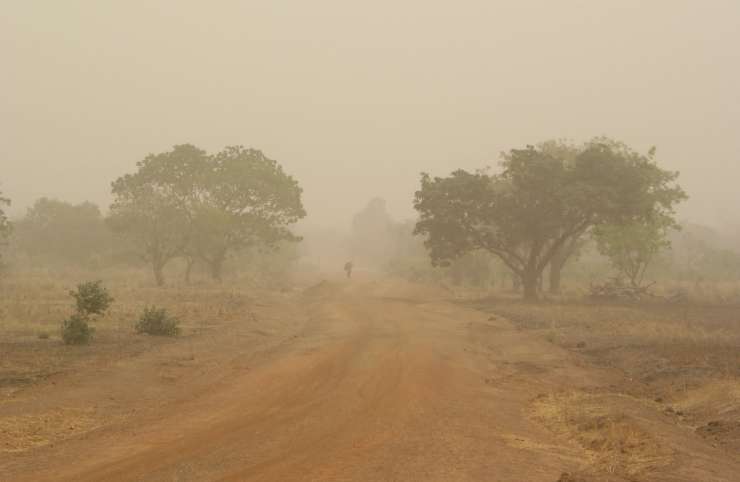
(359, 381)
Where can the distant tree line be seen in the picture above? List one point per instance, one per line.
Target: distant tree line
(525, 223)
(183, 203)
(5, 226)
(53, 231)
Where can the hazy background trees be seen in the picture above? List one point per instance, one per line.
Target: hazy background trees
(54, 232)
(207, 214)
(371, 235)
(5, 227)
(550, 215)
(631, 247)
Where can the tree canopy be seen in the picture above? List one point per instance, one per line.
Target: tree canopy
(539, 201)
(187, 203)
(242, 199)
(148, 206)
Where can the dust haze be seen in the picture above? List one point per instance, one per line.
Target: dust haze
(356, 99)
(370, 241)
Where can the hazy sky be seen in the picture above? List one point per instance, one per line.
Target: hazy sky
(356, 98)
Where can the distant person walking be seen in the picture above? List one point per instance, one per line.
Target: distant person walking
(348, 268)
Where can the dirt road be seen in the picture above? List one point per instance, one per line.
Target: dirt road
(380, 381)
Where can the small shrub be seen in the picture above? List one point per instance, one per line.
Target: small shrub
(91, 298)
(156, 321)
(76, 331)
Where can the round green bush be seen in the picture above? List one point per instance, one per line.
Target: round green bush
(76, 331)
(91, 298)
(156, 321)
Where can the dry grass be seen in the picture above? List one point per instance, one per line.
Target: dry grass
(722, 397)
(24, 432)
(680, 362)
(647, 341)
(32, 308)
(615, 442)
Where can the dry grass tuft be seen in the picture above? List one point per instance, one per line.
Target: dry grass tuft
(615, 442)
(25, 432)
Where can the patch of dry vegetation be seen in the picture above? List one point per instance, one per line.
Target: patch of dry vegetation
(32, 366)
(32, 307)
(614, 441)
(682, 359)
(24, 432)
(651, 343)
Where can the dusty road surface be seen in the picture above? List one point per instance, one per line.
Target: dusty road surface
(370, 381)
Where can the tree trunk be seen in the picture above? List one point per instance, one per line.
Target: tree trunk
(556, 268)
(531, 284)
(516, 282)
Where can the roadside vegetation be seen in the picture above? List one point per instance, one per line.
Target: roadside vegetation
(156, 321)
(679, 362)
(92, 300)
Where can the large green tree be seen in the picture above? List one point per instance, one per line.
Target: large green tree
(150, 206)
(243, 199)
(186, 203)
(539, 202)
(567, 152)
